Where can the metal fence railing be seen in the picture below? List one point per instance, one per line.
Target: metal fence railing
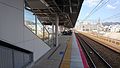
(14, 57)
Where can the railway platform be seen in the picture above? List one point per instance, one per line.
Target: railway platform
(67, 55)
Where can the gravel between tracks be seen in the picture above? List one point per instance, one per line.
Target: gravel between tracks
(112, 57)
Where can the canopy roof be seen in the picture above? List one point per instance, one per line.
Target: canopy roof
(46, 10)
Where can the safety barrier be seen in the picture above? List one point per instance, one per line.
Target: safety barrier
(14, 57)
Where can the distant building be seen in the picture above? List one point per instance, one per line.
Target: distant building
(85, 26)
(88, 26)
(114, 28)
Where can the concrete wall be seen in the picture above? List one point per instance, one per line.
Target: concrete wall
(13, 31)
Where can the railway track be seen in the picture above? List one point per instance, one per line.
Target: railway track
(98, 56)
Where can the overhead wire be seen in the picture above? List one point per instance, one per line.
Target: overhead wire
(93, 9)
(97, 7)
(103, 4)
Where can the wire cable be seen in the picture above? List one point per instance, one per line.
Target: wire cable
(93, 9)
(97, 7)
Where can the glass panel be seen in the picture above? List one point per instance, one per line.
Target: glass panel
(29, 20)
(49, 29)
(39, 29)
(30, 23)
(46, 35)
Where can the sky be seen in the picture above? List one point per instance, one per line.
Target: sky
(111, 8)
(29, 16)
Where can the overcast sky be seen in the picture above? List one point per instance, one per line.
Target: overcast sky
(112, 7)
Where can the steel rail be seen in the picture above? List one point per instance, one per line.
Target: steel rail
(93, 64)
(97, 53)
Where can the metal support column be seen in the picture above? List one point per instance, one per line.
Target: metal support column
(43, 32)
(35, 24)
(56, 30)
(53, 34)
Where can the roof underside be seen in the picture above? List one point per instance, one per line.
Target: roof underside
(46, 10)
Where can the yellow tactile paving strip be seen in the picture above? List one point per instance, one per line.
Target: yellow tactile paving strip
(66, 60)
(106, 43)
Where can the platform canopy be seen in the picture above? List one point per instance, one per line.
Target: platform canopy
(46, 11)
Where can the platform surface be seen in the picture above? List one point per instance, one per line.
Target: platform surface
(76, 60)
(55, 57)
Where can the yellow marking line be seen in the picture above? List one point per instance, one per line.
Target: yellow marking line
(67, 57)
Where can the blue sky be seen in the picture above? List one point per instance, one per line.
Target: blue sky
(112, 7)
(29, 16)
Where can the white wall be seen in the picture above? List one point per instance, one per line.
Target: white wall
(12, 29)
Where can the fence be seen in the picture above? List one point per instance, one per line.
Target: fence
(14, 57)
